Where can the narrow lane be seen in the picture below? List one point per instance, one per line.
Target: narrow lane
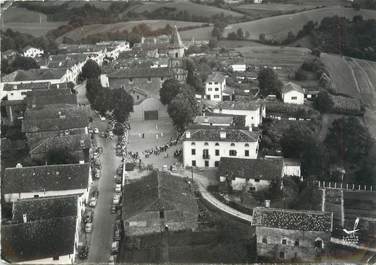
(100, 246)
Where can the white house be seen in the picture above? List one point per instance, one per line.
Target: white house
(32, 52)
(257, 1)
(293, 94)
(249, 174)
(46, 181)
(253, 111)
(238, 67)
(214, 86)
(43, 231)
(291, 167)
(204, 147)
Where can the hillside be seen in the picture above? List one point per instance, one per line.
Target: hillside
(278, 27)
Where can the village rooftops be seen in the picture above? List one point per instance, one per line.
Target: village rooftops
(251, 168)
(39, 239)
(35, 209)
(72, 143)
(45, 178)
(35, 74)
(301, 220)
(142, 72)
(39, 98)
(27, 86)
(290, 86)
(239, 105)
(218, 134)
(216, 77)
(214, 120)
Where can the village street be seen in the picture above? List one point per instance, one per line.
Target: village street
(101, 239)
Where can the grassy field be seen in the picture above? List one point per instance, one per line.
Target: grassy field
(278, 27)
(22, 15)
(101, 28)
(189, 7)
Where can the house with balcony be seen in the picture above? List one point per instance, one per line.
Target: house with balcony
(42, 231)
(205, 146)
(46, 181)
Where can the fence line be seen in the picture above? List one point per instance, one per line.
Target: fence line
(347, 186)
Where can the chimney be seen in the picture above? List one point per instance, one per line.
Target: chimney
(267, 203)
(24, 217)
(188, 134)
(222, 134)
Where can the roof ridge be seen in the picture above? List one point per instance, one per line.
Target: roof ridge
(54, 165)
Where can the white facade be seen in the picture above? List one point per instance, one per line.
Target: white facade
(214, 90)
(255, 184)
(104, 80)
(252, 117)
(33, 52)
(291, 170)
(66, 259)
(239, 67)
(293, 97)
(215, 150)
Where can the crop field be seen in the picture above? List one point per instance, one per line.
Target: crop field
(189, 7)
(120, 26)
(203, 33)
(276, 7)
(22, 15)
(356, 78)
(278, 27)
(35, 29)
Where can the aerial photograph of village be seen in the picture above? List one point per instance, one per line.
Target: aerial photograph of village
(188, 131)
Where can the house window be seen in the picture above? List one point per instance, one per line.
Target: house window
(205, 154)
(217, 152)
(206, 144)
(232, 144)
(216, 144)
(216, 83)
(264, 240)
(193, 143)
(284, 241)
(193, 163)
(161, 214)
(210, 83)
(130, 80)
(209, 89)
(246, 153)
(319, 243)
(193, 151)
(216, 89)
(294, 98)
(138, 97)
(56, 258)
(216, 163)
(162, 78)
(232, 153)
(216, 96)
(246, 145)
(257, 180)
(206, 163)
(281, 255)
(296, 243)
(36, 196)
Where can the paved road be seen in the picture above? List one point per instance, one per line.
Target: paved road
(100, 247)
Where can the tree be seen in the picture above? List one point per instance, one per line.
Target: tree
(348, 140)
(182, 109)
(170, 88)
(213, 43)
(323, 102)
(24, 63)
(93, 85)
(122, 104)
(232, 36)
(240, 34)
(193, 77)
(91, 69)
(269, 82)
(60, 156)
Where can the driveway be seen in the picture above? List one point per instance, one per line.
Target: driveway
(101, 239)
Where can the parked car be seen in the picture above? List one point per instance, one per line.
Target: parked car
(100, 149)
(96, 174)
(112, 259)
(88, 216)
(83, 252)
(96, 130)
(88, 227)
(113, 208)
(95, 193)
(116, 199)
(115, 247)
(117, 187)
(93, 202)
(117, 233)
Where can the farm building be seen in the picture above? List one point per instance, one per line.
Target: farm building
(292, 94)
(32, 52)
(290, 234)
(159, 202)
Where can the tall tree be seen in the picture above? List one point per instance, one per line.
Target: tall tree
(91, 69)
(170, 88)
(122, 104)
(182, 109)
(269, 82)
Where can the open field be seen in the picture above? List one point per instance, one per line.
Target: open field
(356, 78)
(22, 15)
(278, 27)
(192, 9)
(35, 29)
(197, 34)
(120, 26)
(276, 7)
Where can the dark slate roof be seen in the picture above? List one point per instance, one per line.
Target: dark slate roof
(46, 178)
(142, 72)
(35, 74)
(71, 143)
(239, 105)
(216, 77)
(39, 239)
(23, 86)
(44, 208)
(251, 168)
(214, 119)
(293, 220)
(157, 191)
(213, 134)
(50, 96)
(290, 86)
(55, 124)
